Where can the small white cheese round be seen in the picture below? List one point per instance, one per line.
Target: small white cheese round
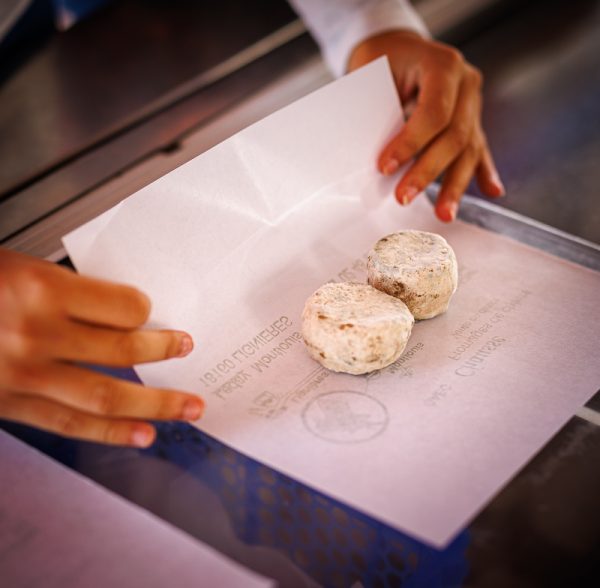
(417, 267)
(354, 328)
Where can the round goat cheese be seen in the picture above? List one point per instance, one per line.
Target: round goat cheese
(417, 267)
(354, 328)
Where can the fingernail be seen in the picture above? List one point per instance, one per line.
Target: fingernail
(445, 212)
(192, 410)
(142, 436)
(185, 346)
(407, 195)
(452, 210)
(390, 166)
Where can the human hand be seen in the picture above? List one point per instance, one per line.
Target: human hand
(443, 133)
(50, 318)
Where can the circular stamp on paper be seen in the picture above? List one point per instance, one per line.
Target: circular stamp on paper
(345, 416)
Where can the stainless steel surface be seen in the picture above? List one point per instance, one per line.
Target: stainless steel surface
(116, 69)
(10, 12)
(543, 529)
(489, 215)
(77, 137)
(161, 132)
(43, 238)
(542, 110)
(444, 17)
(89, 139)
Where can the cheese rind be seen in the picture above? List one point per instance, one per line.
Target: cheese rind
(354, 328)
(417, 267)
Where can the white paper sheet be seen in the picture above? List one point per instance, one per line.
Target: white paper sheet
(230, 245)
(60, 529)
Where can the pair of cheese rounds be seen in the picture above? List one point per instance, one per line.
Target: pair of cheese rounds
(359, 328)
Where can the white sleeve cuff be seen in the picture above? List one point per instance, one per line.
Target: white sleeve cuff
(339, 25)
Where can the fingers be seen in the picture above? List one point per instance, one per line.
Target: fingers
(488, 178)
(455, 183)
(443, 133)
(70, 422)
(98, 394)
(50, 316)
(438, 90)
(434, 159)
(99, 345)
(34, 325)
(476, 158)
(40, 288)
(100, 302)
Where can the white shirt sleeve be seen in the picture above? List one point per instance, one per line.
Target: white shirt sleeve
(339, 25)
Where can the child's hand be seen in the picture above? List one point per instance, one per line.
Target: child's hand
(50, 318)
(443, 133)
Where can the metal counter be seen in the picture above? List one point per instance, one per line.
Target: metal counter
(542, 110)
(542, 107)
(157, 108)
